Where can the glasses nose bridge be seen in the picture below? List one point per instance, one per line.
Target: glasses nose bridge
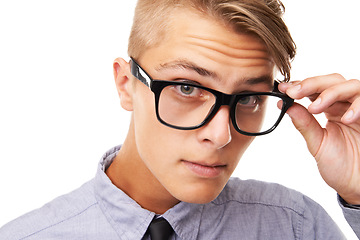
(226, 100)
(222, 99)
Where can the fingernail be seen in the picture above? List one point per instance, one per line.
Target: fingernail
(295, 89)
(349, 115)
(317, 102)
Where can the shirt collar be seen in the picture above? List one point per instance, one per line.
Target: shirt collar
(129, 219)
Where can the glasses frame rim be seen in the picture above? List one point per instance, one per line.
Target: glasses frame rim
(221, 99)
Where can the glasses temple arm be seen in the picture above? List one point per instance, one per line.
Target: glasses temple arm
(135, 71)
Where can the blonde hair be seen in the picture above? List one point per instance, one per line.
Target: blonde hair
(260, 17)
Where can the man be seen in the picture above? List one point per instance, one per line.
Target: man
(187, 134)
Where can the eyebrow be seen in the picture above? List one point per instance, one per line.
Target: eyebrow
(266, 79)
(185, 64)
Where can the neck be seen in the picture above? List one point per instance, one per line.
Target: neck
(129, 173)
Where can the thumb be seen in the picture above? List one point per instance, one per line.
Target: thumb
(308, 126)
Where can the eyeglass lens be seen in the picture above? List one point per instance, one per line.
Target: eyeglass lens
(189, 106)
(257, 113)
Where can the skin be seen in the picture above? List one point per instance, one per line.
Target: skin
(156, 164)
(336, 148)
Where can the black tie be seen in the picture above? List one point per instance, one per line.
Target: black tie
(160, 229)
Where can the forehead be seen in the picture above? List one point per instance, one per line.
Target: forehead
(211, 45)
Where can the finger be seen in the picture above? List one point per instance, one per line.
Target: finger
(283, 86)
(337, 111)
(346, 91)
(308, 126)
(353, 113)
(314, 85)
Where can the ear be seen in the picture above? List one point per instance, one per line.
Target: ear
(123, 83)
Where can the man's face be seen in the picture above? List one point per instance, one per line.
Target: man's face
(194, 165)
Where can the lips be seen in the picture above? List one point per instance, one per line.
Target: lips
(205, 170)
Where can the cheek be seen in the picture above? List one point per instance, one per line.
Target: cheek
(238, 146)
(145, 124)
(154, 140)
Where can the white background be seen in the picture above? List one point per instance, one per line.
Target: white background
(59, 109)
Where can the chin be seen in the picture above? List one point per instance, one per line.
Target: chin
(200, 199)
(198, 195)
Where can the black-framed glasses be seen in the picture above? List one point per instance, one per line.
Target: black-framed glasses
(186, 106)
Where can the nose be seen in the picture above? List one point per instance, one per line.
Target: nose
(216, 133)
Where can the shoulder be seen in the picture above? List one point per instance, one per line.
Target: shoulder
(53, 214)
(265, 194)
(254, 191)
(270, 205)
(262, 193)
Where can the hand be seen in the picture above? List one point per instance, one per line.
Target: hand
(336, 147)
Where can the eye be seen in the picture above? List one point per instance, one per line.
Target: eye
(248, 101)
(188, 93)
(187, 90)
